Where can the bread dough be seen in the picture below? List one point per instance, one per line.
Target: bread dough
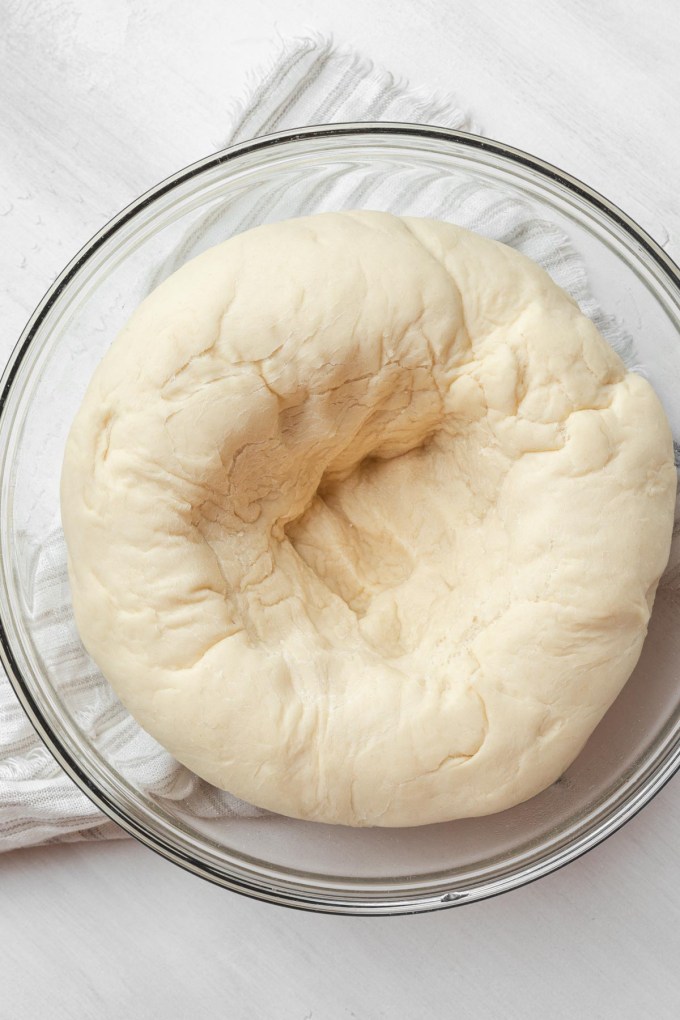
(365, 520)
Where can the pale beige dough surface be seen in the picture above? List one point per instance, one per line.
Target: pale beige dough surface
(365, 520)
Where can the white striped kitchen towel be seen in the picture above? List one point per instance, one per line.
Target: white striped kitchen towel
(309, 82)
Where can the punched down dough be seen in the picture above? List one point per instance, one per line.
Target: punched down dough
(365, 520)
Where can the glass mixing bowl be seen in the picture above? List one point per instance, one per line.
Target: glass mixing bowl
(635, 749)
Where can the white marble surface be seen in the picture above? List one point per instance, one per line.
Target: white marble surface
(98, 100)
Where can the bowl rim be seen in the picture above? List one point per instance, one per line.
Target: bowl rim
(297, 896)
